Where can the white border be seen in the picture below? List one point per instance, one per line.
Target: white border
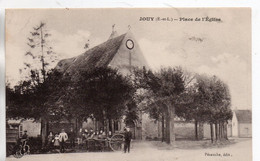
(254, 4)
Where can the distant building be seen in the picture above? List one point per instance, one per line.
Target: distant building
(32, 127)
(242, 123)
(152, 129)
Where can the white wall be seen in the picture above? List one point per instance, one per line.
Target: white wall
(245, 130)
(33, 128)
(235, 126)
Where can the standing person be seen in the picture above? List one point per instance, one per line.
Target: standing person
(49, 143)
(63, 137)
(80, 138)
(72, 138)
(128, 138)
(56, 141)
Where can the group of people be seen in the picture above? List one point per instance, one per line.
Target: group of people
(58, 140)
(85, 135)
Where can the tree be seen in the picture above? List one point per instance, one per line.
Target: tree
(131, 112)
(165, 88)
(40, 55)
(104, 94)
(37, 101)
(213, 101)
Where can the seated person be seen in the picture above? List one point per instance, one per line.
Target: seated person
(91, 134)
(109, 134)
(96, 135)
(24, 137)
(86, 133)
(102, 135)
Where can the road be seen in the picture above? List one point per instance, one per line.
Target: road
(145, 151)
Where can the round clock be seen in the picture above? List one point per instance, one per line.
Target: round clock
(129, 44)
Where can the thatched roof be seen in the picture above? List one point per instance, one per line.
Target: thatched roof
(99, 56)
(244, 116)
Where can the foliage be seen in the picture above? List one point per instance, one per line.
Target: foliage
(103, 90)
(192, 97)
(213, 99)
(164, 88)
(40, 55)
(131, 112)
(35, 101)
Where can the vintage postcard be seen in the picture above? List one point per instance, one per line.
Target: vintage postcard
(128, 84)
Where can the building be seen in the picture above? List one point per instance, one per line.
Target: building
(207, 132)
(32, 127)
(120, 52)
(152, 129)
(242, 123)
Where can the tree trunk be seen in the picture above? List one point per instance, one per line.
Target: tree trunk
(47, 128)
(201, 130)
(43, 131)
(42, 58)
(77, 127)
(112, 126)
(158, 128)
(95, 124)
(211, 133)
(171, 130)
(163, 132)
(107, 129)
(196, 130)
(216, 131)
(105, 121)
(219, 130)
(222, 130)
(225, 130)
(167, 129)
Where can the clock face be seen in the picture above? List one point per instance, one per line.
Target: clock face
(129, 44)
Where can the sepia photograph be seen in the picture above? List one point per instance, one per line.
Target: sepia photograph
(141, 84)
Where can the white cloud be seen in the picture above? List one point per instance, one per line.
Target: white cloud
(228, 67)
(65, 45)
(157, 55)
(69, 45)
(236, 73)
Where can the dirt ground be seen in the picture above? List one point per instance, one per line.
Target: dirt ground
(239, 150)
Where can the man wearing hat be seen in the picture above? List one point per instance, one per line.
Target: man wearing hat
(24, 139)
(25, 136)
(128, 138)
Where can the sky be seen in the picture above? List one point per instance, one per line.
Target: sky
(213, 48)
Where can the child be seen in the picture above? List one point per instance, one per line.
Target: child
(56, 141)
